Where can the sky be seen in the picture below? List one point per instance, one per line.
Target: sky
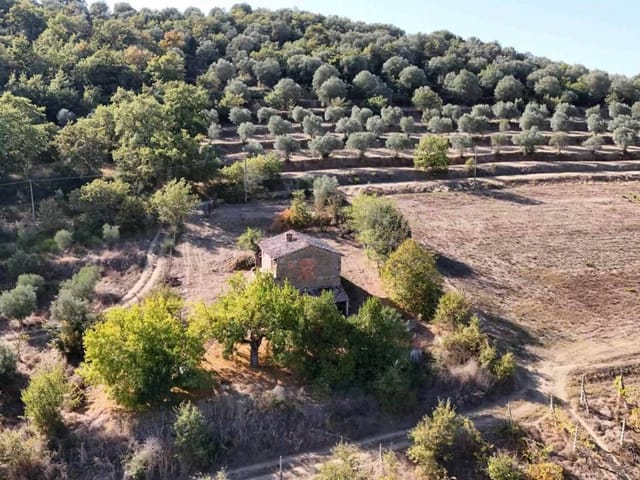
(594, 33)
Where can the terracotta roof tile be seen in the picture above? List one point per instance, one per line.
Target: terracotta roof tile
(290, 242)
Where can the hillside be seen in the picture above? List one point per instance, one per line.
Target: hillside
(479, 200)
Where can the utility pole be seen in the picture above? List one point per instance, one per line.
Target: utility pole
(475, 166)
(245, 180)
(33, 205)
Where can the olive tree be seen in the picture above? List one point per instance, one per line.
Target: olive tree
(407, 125)
(361, 141)
(527, 140)
(559, 140)
(173, 202)
(246, 130)
(508, 89)
(440, 125)
(287, 145)
(333, 113)
(375, 125)
(596, 124)
(312, 125)
(278, 126)
(398, 141)
(460, 142)
(324, 145)
(238, 115)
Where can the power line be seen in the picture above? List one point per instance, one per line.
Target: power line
(82, 177)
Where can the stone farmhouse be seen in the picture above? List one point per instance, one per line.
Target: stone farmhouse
(306, 262)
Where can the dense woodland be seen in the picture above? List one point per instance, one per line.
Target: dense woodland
(112, 122)
(85, 87)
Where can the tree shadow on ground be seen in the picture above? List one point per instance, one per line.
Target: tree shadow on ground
(506, 196)
(450, 267)
(507, 332)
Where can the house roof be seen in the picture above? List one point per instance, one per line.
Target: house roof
(290, 242)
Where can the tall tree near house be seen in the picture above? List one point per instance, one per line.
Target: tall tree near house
(173, 202)
(249, 241)
(251, 312)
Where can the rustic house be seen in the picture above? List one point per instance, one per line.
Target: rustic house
(306, 262)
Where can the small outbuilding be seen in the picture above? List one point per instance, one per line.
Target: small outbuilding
(306, 262)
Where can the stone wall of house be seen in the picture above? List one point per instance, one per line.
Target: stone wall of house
(309, 268)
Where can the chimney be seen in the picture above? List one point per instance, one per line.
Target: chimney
(289, 236)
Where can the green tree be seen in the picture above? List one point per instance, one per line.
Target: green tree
(443, 440)
(426, 99)
(431, 154)
(325, 192)
(173, 202)
(140, 352)
(412, 280)
(380, 227)
(251, 312)
(44, 397)
(8, 362)
(25, 135)
(63, 239)
(250, 240)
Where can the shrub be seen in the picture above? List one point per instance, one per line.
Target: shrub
(344, 464)
(141, 463)
(265, 113)
(431, 154)
(412, 280)
(545, 471)
(35, 281)
(74, 316)
(23, 456)
(192, 441)
(380, 227)
(63, 239)
(110, 233)
(442, 440)
(44, 398)
(83, 282)
(140, 352)
(298, 114)
(502, 466)
(440, 125)
(393, 388)
(465, 343)
(8, 362)
(505, 368)
(18, 303)
(22, 262)
(453, 310)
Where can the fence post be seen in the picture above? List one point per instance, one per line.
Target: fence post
(624, 424)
